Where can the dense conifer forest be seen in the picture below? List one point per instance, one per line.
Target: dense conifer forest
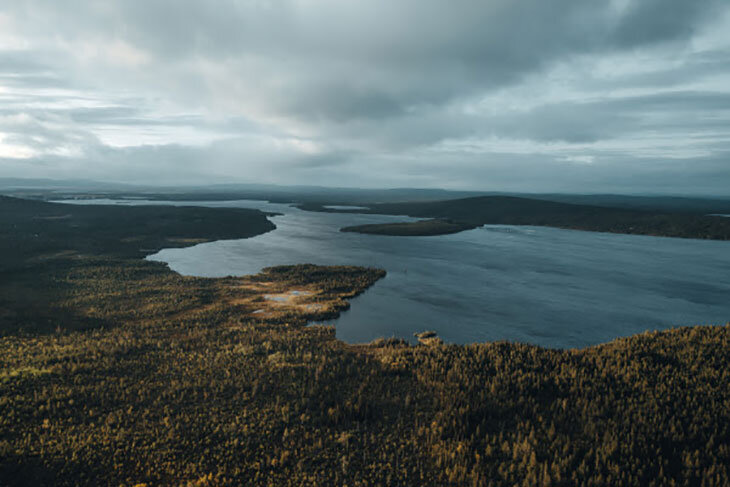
(117, 371)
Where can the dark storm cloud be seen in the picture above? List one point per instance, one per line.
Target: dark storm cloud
(334, 90)
(376, 59)
(662, 20)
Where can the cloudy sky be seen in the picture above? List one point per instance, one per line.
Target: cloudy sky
(518, 95)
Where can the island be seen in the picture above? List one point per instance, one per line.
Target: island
(417, 228)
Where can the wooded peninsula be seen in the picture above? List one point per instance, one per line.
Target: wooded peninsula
(451, 216)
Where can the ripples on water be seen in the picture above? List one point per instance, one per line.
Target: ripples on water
(551, 287)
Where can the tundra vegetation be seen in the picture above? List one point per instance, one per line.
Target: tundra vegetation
(117, 371)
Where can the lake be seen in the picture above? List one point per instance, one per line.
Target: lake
(546, 286)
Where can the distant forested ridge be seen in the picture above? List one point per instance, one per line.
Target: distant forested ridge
(118, 371)
(508, 210)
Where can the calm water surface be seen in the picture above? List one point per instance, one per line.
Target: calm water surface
(551, 287)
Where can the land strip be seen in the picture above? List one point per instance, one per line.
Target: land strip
(507, 210)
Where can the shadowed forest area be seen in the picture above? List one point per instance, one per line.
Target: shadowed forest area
(42, 243)
(118, 371)
(420, 228)
(509, 210)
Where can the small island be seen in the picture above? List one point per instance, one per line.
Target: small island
(429, 338)
(418, 228)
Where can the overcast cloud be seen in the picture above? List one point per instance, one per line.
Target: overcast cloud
(514, 95)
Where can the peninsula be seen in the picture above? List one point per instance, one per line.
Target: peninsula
(451, 216)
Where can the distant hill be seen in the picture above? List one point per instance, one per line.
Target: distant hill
(52, 189)
(59, 189)
(510, 210)
(680, 204)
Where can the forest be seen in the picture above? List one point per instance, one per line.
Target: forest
(118, 371)
(510, 210)
(406, 229)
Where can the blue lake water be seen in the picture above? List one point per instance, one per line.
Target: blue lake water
(551, 287)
